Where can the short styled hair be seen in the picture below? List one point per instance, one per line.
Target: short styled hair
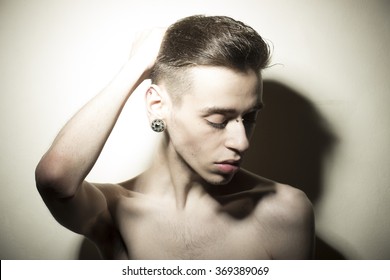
(208, 41)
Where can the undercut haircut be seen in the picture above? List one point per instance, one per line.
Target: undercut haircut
(207, 41)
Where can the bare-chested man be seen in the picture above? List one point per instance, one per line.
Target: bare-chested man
(194, 202)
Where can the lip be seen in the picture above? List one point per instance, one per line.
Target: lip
(228, 166)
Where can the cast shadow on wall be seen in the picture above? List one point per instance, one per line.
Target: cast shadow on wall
(289, 146)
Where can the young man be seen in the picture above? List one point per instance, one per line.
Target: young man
(194, 202)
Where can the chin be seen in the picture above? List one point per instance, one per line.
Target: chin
(220, 180)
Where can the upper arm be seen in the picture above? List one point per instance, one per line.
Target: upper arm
(79, 211)
(299, 229)
(291, 224)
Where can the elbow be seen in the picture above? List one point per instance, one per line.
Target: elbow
(52, 178)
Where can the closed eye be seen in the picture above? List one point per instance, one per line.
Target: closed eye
(217, 120)
(219, 117)
(216, 125)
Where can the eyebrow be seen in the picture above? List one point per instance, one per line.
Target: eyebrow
(229, 111)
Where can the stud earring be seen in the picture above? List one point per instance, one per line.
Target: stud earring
(158, 125)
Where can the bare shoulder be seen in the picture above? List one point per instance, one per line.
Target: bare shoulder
(114, 192)
(106, 218)
(283, 215)
(287, 203)
(104, 231)
(111, 191)
(280, 200)
(285, 218)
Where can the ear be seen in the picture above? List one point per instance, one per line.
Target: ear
(156, 102)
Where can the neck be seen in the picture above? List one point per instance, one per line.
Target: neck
(176, 180)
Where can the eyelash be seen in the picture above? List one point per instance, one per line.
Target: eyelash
(218, 125)
(222, 125)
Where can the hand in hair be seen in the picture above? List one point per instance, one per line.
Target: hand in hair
(145, 47)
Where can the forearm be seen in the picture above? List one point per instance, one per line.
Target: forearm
(80, 142)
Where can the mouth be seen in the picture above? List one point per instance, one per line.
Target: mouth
(228, 166)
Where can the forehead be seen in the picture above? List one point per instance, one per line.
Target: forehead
(224, 88)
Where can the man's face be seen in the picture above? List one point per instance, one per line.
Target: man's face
(210, 127)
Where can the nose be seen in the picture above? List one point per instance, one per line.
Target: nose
(237, 136)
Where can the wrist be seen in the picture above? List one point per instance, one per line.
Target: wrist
(138, 64)
(130, 76)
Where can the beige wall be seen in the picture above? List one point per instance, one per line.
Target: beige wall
(326, 128)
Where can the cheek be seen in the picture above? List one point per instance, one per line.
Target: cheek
(182, 129)
(186, 133)
(192, 136)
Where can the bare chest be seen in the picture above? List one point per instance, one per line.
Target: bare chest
(164, 235)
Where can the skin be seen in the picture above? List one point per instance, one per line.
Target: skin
(194, 202)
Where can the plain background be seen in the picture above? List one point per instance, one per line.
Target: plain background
(325, 127)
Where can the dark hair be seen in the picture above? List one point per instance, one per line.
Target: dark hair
(209, 41)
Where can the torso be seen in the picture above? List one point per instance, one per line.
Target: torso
(152, 232)
(225, 228)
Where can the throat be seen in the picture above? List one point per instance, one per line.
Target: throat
(178, 181)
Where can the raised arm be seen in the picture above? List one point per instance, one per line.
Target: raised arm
(61, 172)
